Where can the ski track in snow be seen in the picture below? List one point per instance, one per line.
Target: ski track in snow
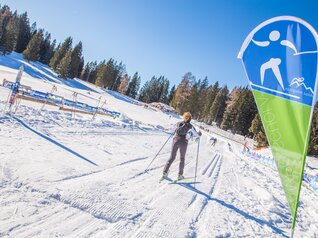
(46, 191)
(134, 204)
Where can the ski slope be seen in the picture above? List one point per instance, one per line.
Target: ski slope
(64, 176)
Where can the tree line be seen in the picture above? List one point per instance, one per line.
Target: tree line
(233, 110)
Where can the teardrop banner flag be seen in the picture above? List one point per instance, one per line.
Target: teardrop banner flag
(280, 59)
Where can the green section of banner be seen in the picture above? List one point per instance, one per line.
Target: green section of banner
(286, 126)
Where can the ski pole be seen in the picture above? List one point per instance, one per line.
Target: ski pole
(159, 151)
(97, 108)
(196, 164)
(54, 88)
(7, 102)
(17, 104)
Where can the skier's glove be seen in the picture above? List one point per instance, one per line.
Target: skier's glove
(200, 133)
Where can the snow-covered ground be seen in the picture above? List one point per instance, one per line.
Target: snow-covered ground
(64, 176)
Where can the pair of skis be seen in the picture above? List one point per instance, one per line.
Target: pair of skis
(174, 181)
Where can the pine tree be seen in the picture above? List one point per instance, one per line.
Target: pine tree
(33, 29)
(164, 89)
(202, 94)
(64, 67)
(3, 8)
(246, 109)
(124, 84)
(133, 86)
(85, 72)
(108, 73)
(182, 93)
(93, 72)
(101, 72)
(231, 109)
(5, 17)
(144, 94)
(120, 70)
(32, 51)
(80, 67)
(258, 131)
(76, 60)
(211, 93)
(191, 103)
(9, 39)
(218, 106)
(45, 49)
(51, 51)
(61, 52)
(171, 94)
(155, 90)
(24, 33)
(110, 77)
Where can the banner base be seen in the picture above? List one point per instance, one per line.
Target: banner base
(292, 233)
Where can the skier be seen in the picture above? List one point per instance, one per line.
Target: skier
(211, 140)
(180, 142)
(245, 147)
(229, 146)
(214, 141)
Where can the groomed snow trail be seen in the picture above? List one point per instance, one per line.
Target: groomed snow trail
(47, 191)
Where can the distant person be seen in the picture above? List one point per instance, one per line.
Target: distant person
(212, 141)
(229, 146)
(245, 147)
(180, 142)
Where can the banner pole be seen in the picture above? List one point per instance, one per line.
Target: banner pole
(7, 102)
(54, 88)
(196, 164)
(292, 233)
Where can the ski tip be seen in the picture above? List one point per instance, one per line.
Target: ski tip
(164, 178)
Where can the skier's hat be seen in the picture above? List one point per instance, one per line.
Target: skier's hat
(187, 116)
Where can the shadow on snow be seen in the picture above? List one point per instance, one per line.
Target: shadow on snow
(53, 141)
(231, 207)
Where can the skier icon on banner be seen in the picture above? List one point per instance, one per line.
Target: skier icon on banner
(273, 63)
(280, 58)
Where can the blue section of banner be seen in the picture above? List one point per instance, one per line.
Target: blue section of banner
(281, 59)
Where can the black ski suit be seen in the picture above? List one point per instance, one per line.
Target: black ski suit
(179, 142)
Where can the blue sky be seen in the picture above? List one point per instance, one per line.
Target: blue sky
(164, 37)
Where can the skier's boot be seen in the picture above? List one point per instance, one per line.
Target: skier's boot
(164, 176)
(180, 177)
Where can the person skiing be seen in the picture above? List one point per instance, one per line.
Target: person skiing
(180, 142)
(212, 141)
(229, 146)
(245, 147)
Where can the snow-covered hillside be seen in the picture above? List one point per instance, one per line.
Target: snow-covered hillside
(66, 176)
